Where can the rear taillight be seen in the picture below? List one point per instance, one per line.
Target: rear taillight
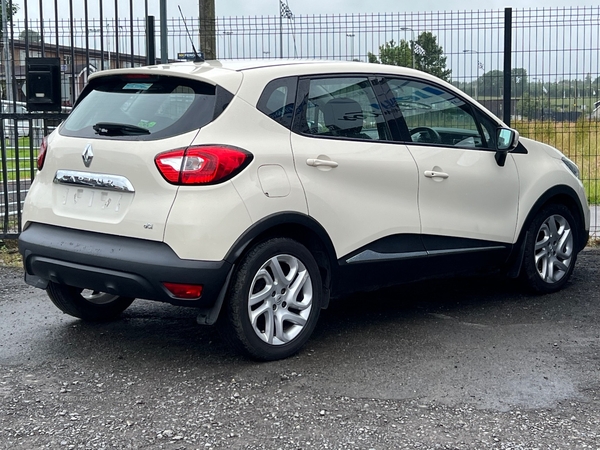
(203, 164)
(42, 153)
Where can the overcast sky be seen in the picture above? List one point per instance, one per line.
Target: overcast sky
(271, 7)
(302, 7)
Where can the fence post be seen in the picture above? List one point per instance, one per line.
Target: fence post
(507, 104)
(164, 41)
(150, 42)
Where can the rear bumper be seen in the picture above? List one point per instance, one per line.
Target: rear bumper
(116, 265)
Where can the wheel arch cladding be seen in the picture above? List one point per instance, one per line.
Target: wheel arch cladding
(301, 228)
(563, 195)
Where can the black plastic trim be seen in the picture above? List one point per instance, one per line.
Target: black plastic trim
(399, 259)
(406, 246)
(283, 219)
(557, 191)
(117, 265)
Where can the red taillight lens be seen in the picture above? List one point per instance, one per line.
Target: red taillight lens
(204, 164)
(184, 291)
(42, 153)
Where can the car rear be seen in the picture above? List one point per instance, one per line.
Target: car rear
(97, 212)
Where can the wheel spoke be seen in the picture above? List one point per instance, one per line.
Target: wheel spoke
(565, 247)
(260, 297)
(544, 241)
(542, 254)
(561, 265)
(268, 333)
(552, 226)
(543, 270)
(278, 275)
(298, 285)
(280, 325)
(549, 270)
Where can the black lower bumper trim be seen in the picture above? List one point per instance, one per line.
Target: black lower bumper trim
(117, 265)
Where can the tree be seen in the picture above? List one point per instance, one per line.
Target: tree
(518, 77)
(10, 12)
(392, 54)
(32, 35)
(424, 54)
(531, 107)
(491, 83)
(429, 56)
(596, 87)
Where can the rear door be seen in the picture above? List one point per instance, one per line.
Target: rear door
(360, 185)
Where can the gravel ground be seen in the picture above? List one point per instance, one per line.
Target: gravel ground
(480, 367)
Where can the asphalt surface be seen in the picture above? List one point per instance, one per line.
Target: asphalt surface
(461, 364)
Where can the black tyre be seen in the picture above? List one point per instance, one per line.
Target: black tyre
(86, 304)
(550, 253)
(274, 300)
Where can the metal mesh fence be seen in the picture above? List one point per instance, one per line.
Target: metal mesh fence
(554, 77)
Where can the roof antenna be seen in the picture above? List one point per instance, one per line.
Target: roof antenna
(198, 57)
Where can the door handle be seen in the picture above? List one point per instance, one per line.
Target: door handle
(321, 163)
(434, 174)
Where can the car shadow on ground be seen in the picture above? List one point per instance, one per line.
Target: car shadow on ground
(160, 334)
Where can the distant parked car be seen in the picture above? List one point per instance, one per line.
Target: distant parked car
(256, 191)
(22, 125)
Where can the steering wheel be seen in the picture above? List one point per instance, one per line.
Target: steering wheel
(431, 135)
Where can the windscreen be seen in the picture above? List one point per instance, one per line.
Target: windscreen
(141, 108)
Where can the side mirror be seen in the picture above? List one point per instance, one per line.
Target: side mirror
(506, 140)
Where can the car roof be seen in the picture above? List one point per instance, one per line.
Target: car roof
(229, 73)
(290, 66)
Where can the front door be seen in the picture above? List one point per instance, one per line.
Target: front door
(464, 195)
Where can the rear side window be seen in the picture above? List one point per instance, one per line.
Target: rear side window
(142, 108)
(342, 107)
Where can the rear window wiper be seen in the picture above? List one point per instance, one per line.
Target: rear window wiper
(119, 129)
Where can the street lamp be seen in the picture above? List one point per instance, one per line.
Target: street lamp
(412, 35)
(351, 36)
(475, 52)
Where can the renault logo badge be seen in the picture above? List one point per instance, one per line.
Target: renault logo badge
(87, 155)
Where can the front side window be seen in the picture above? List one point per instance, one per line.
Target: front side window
(342, 108)
(138, 107)
(437, 116)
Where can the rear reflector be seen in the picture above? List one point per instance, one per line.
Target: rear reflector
(202, 164)
(184, 291)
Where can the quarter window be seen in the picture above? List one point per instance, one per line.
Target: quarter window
(277, 100)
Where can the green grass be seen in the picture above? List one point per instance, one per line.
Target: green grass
(25, 168)
(579, 141)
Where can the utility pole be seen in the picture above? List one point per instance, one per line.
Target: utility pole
(164, 42)
(208, 29)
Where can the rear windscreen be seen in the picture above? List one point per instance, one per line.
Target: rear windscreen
(141, 108)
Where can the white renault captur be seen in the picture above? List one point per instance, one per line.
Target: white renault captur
(256, 191)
